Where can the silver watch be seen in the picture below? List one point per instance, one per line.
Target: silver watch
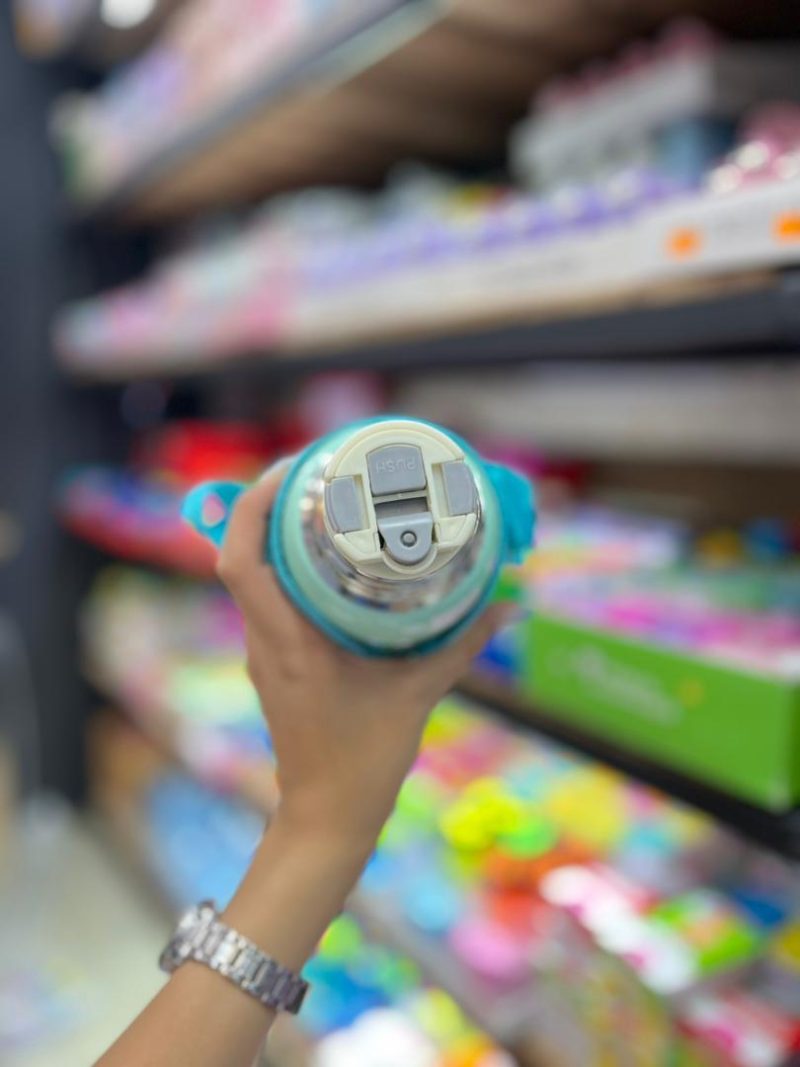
(200, 936)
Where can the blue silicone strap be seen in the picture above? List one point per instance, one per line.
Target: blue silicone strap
(518, 507)
(208, 506)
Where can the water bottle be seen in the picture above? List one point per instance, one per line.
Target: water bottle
(389, 534)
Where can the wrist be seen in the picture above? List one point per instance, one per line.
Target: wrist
(328, 837)
(298, 882)
(328, 824)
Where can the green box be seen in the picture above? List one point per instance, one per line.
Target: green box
(734, 729)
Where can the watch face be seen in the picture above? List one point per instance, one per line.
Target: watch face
(170, 957)
(188, 921)
(188, 928)
(180, 944)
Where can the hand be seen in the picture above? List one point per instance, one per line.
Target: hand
(345, 732)
(345, 729)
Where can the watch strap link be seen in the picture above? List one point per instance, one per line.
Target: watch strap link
(201, 936)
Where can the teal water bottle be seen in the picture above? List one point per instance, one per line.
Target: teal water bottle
(389, 535)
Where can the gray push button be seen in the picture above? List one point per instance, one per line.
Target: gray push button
(344, 506)
(395, 469)
(407, 538)
(459, 487)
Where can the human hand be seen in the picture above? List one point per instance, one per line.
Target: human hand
(345, 729)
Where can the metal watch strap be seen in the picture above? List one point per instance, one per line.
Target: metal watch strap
(200, 936)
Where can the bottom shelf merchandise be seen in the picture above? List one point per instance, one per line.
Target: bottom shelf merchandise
(368, 1006)
(690, 659)
(559, 903)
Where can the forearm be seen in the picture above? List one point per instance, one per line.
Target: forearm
(296, 884)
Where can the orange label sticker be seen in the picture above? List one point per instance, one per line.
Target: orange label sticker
(683, 243)
(786, 227)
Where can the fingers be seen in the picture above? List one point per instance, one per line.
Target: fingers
(242, 560)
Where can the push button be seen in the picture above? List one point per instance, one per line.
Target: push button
(344, 506)
(459, 487)
(395, 469)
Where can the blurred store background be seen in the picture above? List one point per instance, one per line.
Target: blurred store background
(569, 230)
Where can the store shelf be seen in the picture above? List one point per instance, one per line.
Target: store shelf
(135, 520)
(779, 833)
(250, 145)
(508, 1019)
(733, 315)
(120, 823)
(727, 317)
(256, 782)
(702, 413)
(253, 780)
(437, 79)
(194, 558)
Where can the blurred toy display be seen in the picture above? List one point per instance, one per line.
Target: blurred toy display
(383, 1013)
(135, 513)
(130, 517)
(728, 594)
(186, 76)
(171, 654)
(748, 617)
(695, 667)
(673, 103)
(224, 298)
(608, 212)
(550, 895)
(746, 214)
(642, 630)
(362, 994)
(280, 282)
(677, 645)
(490, 251)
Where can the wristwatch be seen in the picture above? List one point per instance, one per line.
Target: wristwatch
(200, 936)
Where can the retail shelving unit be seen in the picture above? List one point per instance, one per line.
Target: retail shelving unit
(722, 317)
(733, 315)
(417, 82)
(120, 824)
(249, 145)
(256, 782)
(508, 1020)
(437, 79)
(777, 832)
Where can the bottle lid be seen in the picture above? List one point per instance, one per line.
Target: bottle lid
(400, 499)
